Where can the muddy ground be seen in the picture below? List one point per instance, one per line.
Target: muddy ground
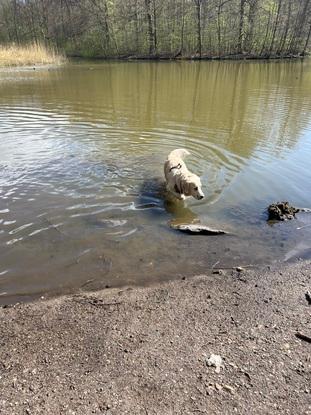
(144, 350)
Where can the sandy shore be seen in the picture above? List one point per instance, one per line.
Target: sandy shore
(144, 350)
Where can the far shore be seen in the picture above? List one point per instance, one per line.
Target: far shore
(163, 57)
(58, 60)
(150, 350)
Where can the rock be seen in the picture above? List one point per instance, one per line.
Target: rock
(229, 388)
(194, 229)
(281, 211)
(216, 361)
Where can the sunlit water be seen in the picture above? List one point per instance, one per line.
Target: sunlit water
(82, 201)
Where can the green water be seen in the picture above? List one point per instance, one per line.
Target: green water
(82, 201)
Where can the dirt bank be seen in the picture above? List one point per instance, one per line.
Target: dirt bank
(144, 350)
(178, 57)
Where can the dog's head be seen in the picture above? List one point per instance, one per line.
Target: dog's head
(194, 187)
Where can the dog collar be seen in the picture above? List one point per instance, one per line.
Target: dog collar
(176, 167)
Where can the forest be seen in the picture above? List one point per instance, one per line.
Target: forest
(160, 28)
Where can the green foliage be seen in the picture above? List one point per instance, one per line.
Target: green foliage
(99, 28)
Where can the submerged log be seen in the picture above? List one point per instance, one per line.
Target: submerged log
(193, 229)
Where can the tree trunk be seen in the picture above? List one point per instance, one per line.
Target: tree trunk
(44, 21)
(249, 41)
(101, 13)
(275, 26)
(16, 34)
(307, 40)
(305, 14)
(155, 27)
(285, 33)
(241, 26)
(136, 27)
(218, 26)
(150, 28)
(33, 24)
(182, 27)
(198, 6)
(296, 37)
(266, 35)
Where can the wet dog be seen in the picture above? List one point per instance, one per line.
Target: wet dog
(180, 181)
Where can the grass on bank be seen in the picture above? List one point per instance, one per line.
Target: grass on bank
(25, 55)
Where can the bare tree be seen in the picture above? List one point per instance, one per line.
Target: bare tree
(241, 26)
(198, 8)
(286, 29)
(151, 34)
(252, 14)
(307, 39)
(275, 26)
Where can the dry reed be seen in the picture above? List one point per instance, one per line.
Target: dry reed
(31, 54)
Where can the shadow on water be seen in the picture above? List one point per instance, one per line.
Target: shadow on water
(153, 194)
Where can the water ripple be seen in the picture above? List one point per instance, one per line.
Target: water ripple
(81, 183)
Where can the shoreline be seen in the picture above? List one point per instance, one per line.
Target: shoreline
(132, 58)
(32, 66)
(155, 58)
(143, 350)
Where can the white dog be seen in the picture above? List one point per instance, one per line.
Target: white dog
(180, 181)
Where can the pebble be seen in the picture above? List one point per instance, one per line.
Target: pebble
(216, 361)
(229, 388)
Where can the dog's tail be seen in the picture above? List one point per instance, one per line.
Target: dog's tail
(179, 152)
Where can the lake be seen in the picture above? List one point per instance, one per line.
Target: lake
(82, 199)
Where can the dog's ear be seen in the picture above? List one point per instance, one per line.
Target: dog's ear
(178, 186)
(185, 187)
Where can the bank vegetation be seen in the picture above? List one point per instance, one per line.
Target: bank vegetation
(28, 54)
(160, 28)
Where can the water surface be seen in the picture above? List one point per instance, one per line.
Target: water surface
(82, 203)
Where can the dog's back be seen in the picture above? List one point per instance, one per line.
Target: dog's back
(179, 153)
(180, 181)
(174, 159)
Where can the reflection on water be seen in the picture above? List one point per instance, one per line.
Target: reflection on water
(82, 201)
